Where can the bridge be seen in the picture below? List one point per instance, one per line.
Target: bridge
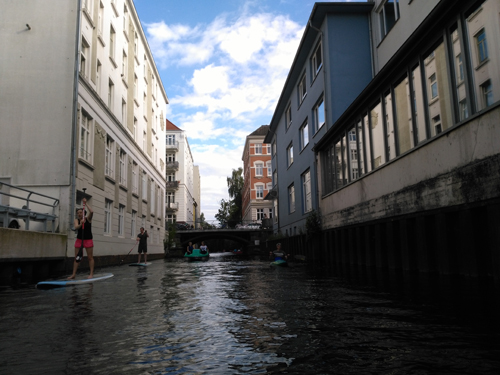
(253, 241)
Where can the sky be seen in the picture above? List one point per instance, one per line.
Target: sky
(223, 64)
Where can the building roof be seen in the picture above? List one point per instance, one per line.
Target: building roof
(172, 127)
(261, 131)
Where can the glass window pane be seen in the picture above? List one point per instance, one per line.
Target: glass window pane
(361, 145)
(352, 150)
(377, 136)
(436, 73)
(367, 144)
(458, 63)
(345, 161)
(402, 103)
(338, 165)
(483, 34)
(389, 127)
(418, 105)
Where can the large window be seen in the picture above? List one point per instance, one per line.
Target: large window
(304, 135)
(135, 178)
(388, 15)
(85, 149)
(112, 43)
(109, 161)
(123, 168)
(291, 199)
(133, 224)
(288, 116)
(258, 148)
(259, 169)
(316, 61)
(108, 206)
(306, 191)
(319, 115)
(259, 191)
(121, 219)
(289, 154)
(302, 89)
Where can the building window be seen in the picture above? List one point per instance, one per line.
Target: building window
(85, 150)
(109, 161)
(289, 152)
(107, 216)
(259, 191)
(260, 213)
(304, 136)
(100, 20)
(433, 86)
(274, 148)
(135, 178)
(136, 44)
(268, 149)
(124, 67)
(133, 224)
(259, 169)
(288, 116)
(487, 93)
(121, 219)
(98, 77)
(291, 199)
(111, 94)
(482, 47)
(124, 113)
(258, 149)
(319, 115)
(123, 168)
(144, 141)
(135, 129)
(84, 58)
(144, 187)
(306, 191)
(316, 61)
(302, 89)
(112, 41)
(153, 197)
(269, 170)
(436, 122)
(388, 15)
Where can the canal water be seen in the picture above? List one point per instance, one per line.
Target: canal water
(234, 316)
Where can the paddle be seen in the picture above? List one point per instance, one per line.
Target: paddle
(79, 256)
(136, 242)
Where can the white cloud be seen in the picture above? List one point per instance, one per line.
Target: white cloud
(239, 66)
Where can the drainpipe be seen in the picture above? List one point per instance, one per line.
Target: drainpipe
(74, 135)
(315, 166)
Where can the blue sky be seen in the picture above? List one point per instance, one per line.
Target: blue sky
(223, 65)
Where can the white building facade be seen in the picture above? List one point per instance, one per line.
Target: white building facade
(183, 179)
(82, 115)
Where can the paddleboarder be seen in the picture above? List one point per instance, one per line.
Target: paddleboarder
(84, 237)
(143, 245)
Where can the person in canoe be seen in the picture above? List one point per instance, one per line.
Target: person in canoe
(190, 248)
(203, 248)
(278, 254)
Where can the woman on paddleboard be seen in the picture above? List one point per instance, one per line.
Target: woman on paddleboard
(84, 226)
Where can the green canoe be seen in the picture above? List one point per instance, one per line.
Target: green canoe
(197, 255)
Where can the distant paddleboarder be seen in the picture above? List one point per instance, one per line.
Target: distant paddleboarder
(84, 237)
(143, 245)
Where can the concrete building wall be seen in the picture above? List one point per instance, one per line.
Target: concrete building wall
(49, 107)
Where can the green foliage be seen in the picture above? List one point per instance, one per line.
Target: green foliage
(230, 210)
(169, 240)
(313, 223)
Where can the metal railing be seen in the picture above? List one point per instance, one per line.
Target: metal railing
(24, 212)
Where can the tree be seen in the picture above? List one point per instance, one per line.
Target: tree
(235, 187)
(224, 212)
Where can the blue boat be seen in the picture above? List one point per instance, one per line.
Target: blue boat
(279, 260)
(197, 254)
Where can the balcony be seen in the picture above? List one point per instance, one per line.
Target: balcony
(172, 166)
(171, 207)
(171, 185)
(172, 145)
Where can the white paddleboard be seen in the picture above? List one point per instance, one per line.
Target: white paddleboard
(139, 264)
(60, 283)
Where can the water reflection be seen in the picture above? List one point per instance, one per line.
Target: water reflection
(231, 316)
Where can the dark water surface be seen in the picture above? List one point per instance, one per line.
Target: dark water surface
(233, 316)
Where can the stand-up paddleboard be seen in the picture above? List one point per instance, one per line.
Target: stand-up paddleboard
(139, 264)
(84, 280)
